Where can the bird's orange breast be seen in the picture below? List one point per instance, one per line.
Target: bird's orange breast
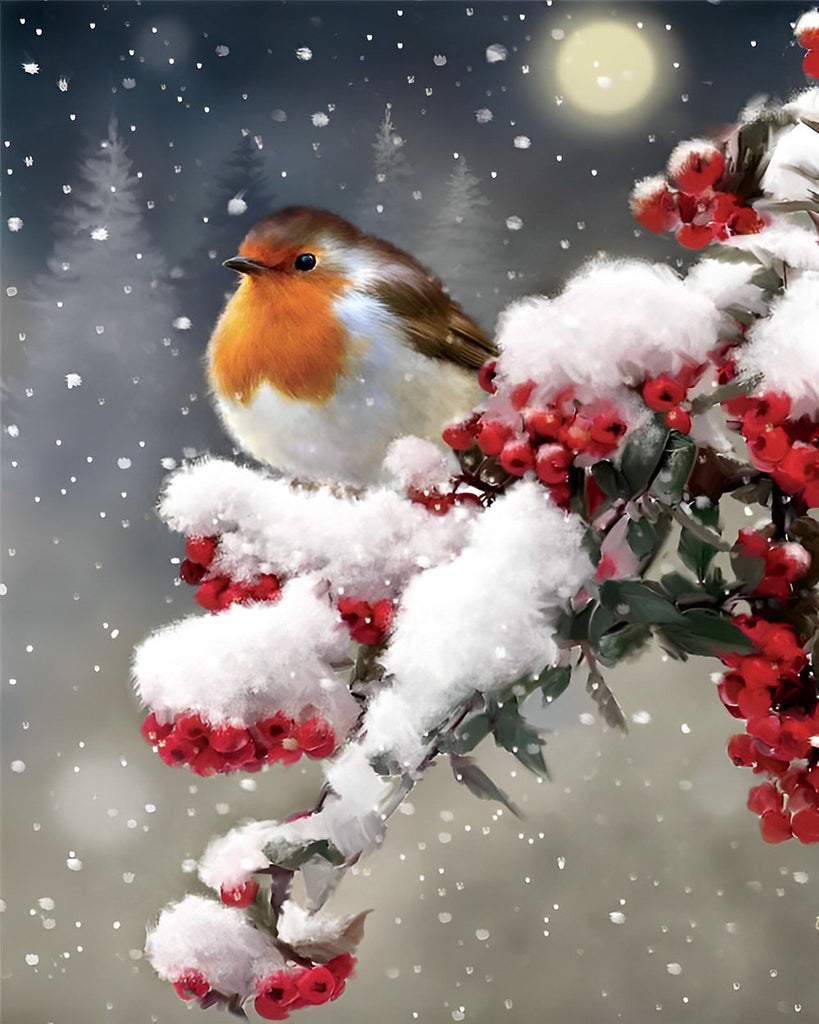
(281, 330)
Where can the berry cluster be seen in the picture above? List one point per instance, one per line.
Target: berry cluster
(807, 35)
(696, 210)
(544, 437)
(280, 993)
(774, 690)
(785, 449)
(784, 562)
(283, 991)
(439, 503)
(667, 394)
(211, 749)
(216, 591)
(368, 623)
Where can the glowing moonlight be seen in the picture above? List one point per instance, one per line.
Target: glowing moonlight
(605, 68)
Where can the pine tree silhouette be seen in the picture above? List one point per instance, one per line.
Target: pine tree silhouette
(464, 246)
(387, 207)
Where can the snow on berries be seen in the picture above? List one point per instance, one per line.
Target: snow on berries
(690, 202)
(807, 35)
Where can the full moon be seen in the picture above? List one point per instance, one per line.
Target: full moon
(605, 69)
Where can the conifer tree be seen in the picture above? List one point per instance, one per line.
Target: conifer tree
(387, 207)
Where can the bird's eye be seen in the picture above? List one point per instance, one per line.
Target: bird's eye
(305, 261)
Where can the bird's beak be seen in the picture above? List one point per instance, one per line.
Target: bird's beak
(242, 265)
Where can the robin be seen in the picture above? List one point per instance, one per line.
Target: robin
(335, 343)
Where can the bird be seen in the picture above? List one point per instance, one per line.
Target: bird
(334, 343)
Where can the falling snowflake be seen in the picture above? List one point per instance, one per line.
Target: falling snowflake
(304, 53)
(182, 323)
(514, 223)
(320, 119)
(99, 234)
(484, 115)
(236, 206)
(222, 50)
(522, 142)
(495, 52)
(62, 84)
(15, 223)
(28, 161)
(439, 60)
(30, 67)
(128, 83)
(72, 380)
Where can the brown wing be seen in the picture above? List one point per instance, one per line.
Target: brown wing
(435, 325)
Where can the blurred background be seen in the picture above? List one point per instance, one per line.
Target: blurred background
(498, 142)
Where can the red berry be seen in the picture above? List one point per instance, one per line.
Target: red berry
(316, 985)
(543, 424)
(486, 377)
(228, 739)
(775, 826)
(154, 732)
(606, 430)
(552, 464)
(192, 727)
(654, 205)
(493, 435)
(316, 737)
(694, 236)
(275, 994)
(341, 966)
(201, 550)
(807, 30)
(208, 762)
(190, 572)
(678, 419)
(274, 730)
(696, 166)
(771, 445)
(576, 435)
(240, 896)
(521, 394)
(191, 985)
(266, 588)
(810, 63)
(177, 749)
(662, 393)
(765, 797)
(209, 594)
(742, 750)
(461, 436)
(805, 825)
(517, 457)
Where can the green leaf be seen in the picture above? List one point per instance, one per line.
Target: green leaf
(610, 480)
(478, 782)
(601, 622)
(695, 553)
(553, 681)
(642, 454)
(675, 467)
(642, 537)
(292, 854)
(633, 601)
(708, 633)
(470, 734)
(624, 640)
(576, 627)
(680, 588)
(519, 738)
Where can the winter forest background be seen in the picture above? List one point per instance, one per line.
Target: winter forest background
(139, 143)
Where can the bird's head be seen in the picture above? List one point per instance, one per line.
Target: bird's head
(300, 244)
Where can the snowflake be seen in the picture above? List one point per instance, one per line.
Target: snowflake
(522, 142)
(182, 323)
(439, 60)
(15, 223)
(62, 84)
(484, 115)
(128, 83)
(495, 52)
(304, 53)
(320, 119)
(99, 234)
(236, 206)
(222, 50)
(28, 161)
(514, 223)
(30, 67)
(72, 380)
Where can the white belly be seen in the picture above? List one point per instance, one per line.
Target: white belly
(347, 437)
